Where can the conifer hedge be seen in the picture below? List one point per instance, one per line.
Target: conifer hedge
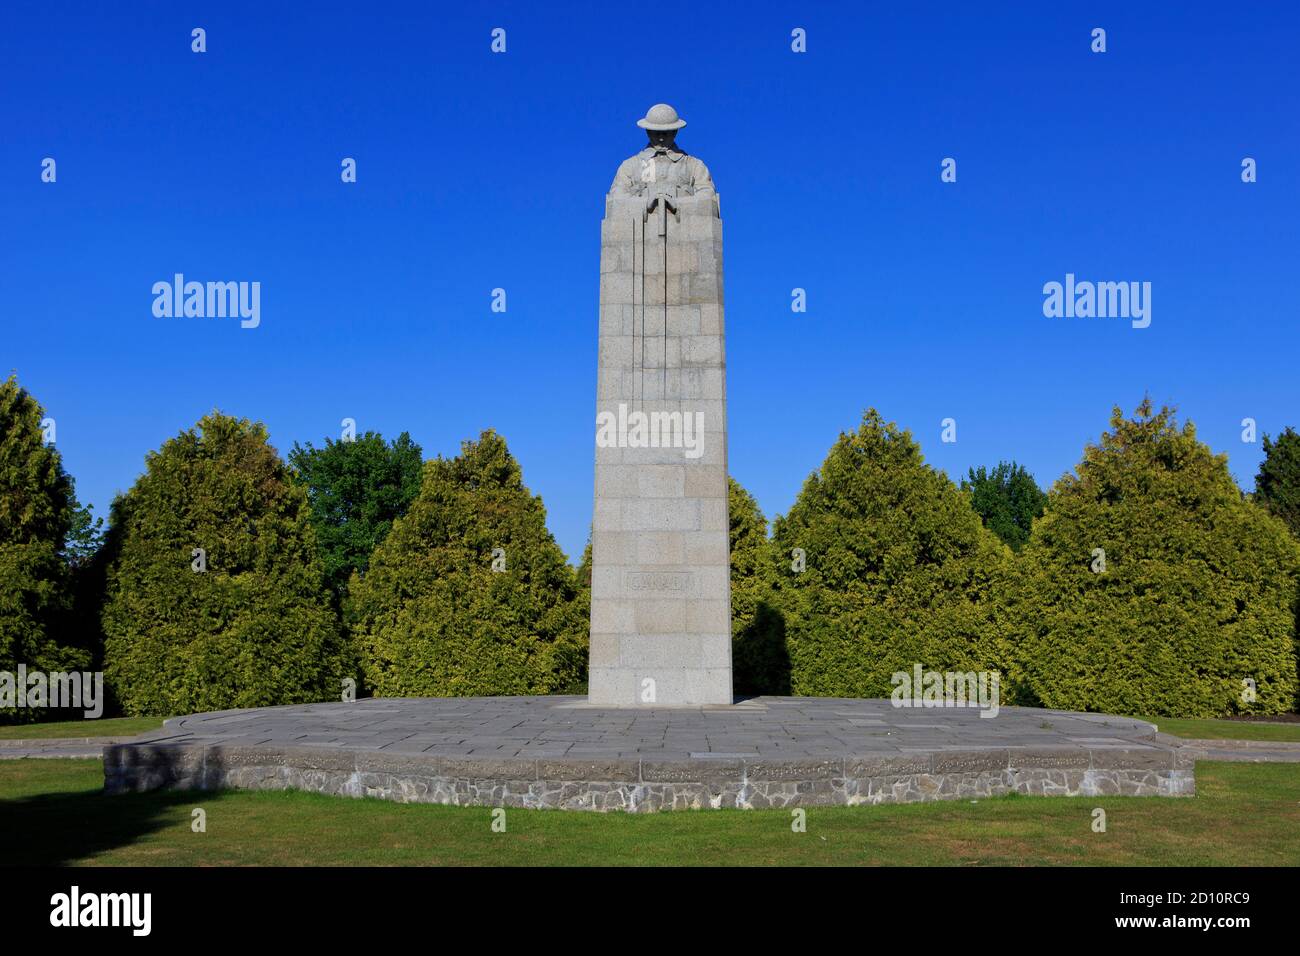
(216, 596)
(469, 594)
(36, 515)
(759, 658)
(1152, 586)
(899, 570)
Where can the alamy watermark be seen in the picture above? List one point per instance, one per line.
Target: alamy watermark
(1101, 300)
(209, 300)
(80, 690)
(75, 908)
(923, 688)
(638, 429)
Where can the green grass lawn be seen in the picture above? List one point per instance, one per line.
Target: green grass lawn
(1199, 728)
(52, 811)
(112, 727)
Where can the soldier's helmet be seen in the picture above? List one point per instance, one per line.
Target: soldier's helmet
(661, 116)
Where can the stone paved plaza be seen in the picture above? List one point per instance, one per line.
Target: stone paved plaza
(562, 752)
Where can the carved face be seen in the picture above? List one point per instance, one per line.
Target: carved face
(662, 137)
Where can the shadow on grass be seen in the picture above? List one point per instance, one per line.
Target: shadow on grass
(53, 829)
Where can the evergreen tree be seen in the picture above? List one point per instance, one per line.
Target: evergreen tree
(1007, 499)
(356, 490)
(759, 659)
(1277, 486)
(582, 619)
(899, 569)
(215, 593)
(37, 513)
(1151, 586)
(583, 570)
(469, 594)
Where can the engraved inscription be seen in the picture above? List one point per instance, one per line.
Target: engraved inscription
(659, 581)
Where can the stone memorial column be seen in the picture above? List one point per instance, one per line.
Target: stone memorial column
(661, 587)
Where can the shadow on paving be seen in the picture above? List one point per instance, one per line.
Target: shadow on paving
(52, 829)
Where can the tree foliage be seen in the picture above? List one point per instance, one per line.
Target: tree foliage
(37, 513)
(255, 627)
(433, 617)
(759, 659)
(1007, 499)
(356, 490)
(1277, 486)
(1151, 586)
(899, 569)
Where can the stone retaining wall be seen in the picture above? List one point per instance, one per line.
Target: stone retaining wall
(640, 785)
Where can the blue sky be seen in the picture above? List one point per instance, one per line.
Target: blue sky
(478, 170)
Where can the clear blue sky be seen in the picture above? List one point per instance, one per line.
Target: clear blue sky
(478, 170)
